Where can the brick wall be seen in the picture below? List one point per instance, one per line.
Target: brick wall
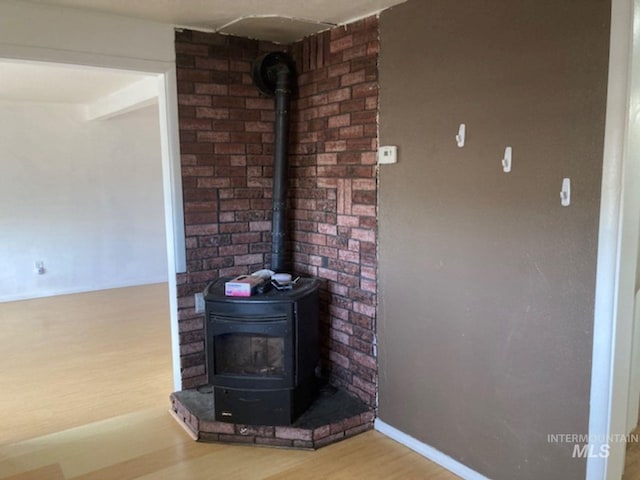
(226, 144)
(226, 141)
(333, 174)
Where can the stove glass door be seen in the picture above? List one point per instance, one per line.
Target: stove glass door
(242, 354)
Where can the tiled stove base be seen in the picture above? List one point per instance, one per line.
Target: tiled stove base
(332, 417)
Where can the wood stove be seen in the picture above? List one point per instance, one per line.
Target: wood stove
(262, 352)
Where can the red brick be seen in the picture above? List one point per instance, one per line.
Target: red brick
(248, 259)
(192, 371)
(259, 226)
(328, 274)
(239, 66)
(348, 256)
(259, 103)
(193, 75)
(195, 124)
(321, 432)
(339, 69)
(212, 64)
(339, 121)
(229, 148)
(341, 44)
(368, 387)
(246, 115)
(211, 89)
(196, 148)
(364, 210)
(338, 312)
(201, 229)
(194, 100)
(274, 442)
(243, 90)
(217, 113)
(330, 439)
(364, 360)
(364, 89)
(339, 336)
(291, 433)
(214, 137)
(259, 127)
(233, 250)
(213, 182)
(357, 430)
(234, 205)
(335, 146)
(364, 309)
(197, 171)
(339, 95)
(356, 51)
(192, 49)
(364, 117)
(352, 78)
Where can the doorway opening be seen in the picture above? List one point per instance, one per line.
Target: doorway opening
(88, 171)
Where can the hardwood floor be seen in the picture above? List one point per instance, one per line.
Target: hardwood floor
(150, 445)
(85, 385)
(74, 359)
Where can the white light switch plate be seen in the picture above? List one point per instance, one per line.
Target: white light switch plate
(388, 154)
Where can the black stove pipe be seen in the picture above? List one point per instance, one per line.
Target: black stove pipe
(272, 74)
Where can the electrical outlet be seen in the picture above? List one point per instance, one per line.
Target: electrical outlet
(40, 270)
(199, 302)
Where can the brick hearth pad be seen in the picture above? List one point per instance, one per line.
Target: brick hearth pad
(333, 416)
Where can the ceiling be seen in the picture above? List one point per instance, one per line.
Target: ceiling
(275, 20)
(282, 21)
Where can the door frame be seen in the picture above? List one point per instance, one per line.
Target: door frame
(165, 73)
(617, 244)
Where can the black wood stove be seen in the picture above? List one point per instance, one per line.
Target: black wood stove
(262, 352)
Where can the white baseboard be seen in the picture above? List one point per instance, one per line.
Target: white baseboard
(81, 289)
(425, 450)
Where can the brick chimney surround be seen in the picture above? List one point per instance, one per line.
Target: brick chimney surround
(226, 143)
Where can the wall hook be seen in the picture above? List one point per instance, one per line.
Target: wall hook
(460, 137)
(506, 160)
(565, 194)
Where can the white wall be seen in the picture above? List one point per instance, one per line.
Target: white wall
(52, 34)
(80, 37)
(84, 197)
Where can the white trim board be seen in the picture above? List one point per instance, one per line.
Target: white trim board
(613, 306)
(436, 456)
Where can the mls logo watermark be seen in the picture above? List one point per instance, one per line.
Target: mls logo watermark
(590, 451)
(591, 446)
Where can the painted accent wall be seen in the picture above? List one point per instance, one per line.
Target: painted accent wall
(486, 282)
(83, 197)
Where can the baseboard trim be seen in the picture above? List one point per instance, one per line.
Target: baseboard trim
(82, 289)
(425, 450)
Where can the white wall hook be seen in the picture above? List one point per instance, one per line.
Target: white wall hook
(565, 194)
(506, 160)
(460, 137)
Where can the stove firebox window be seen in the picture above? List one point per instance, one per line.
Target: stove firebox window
(249, 355)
